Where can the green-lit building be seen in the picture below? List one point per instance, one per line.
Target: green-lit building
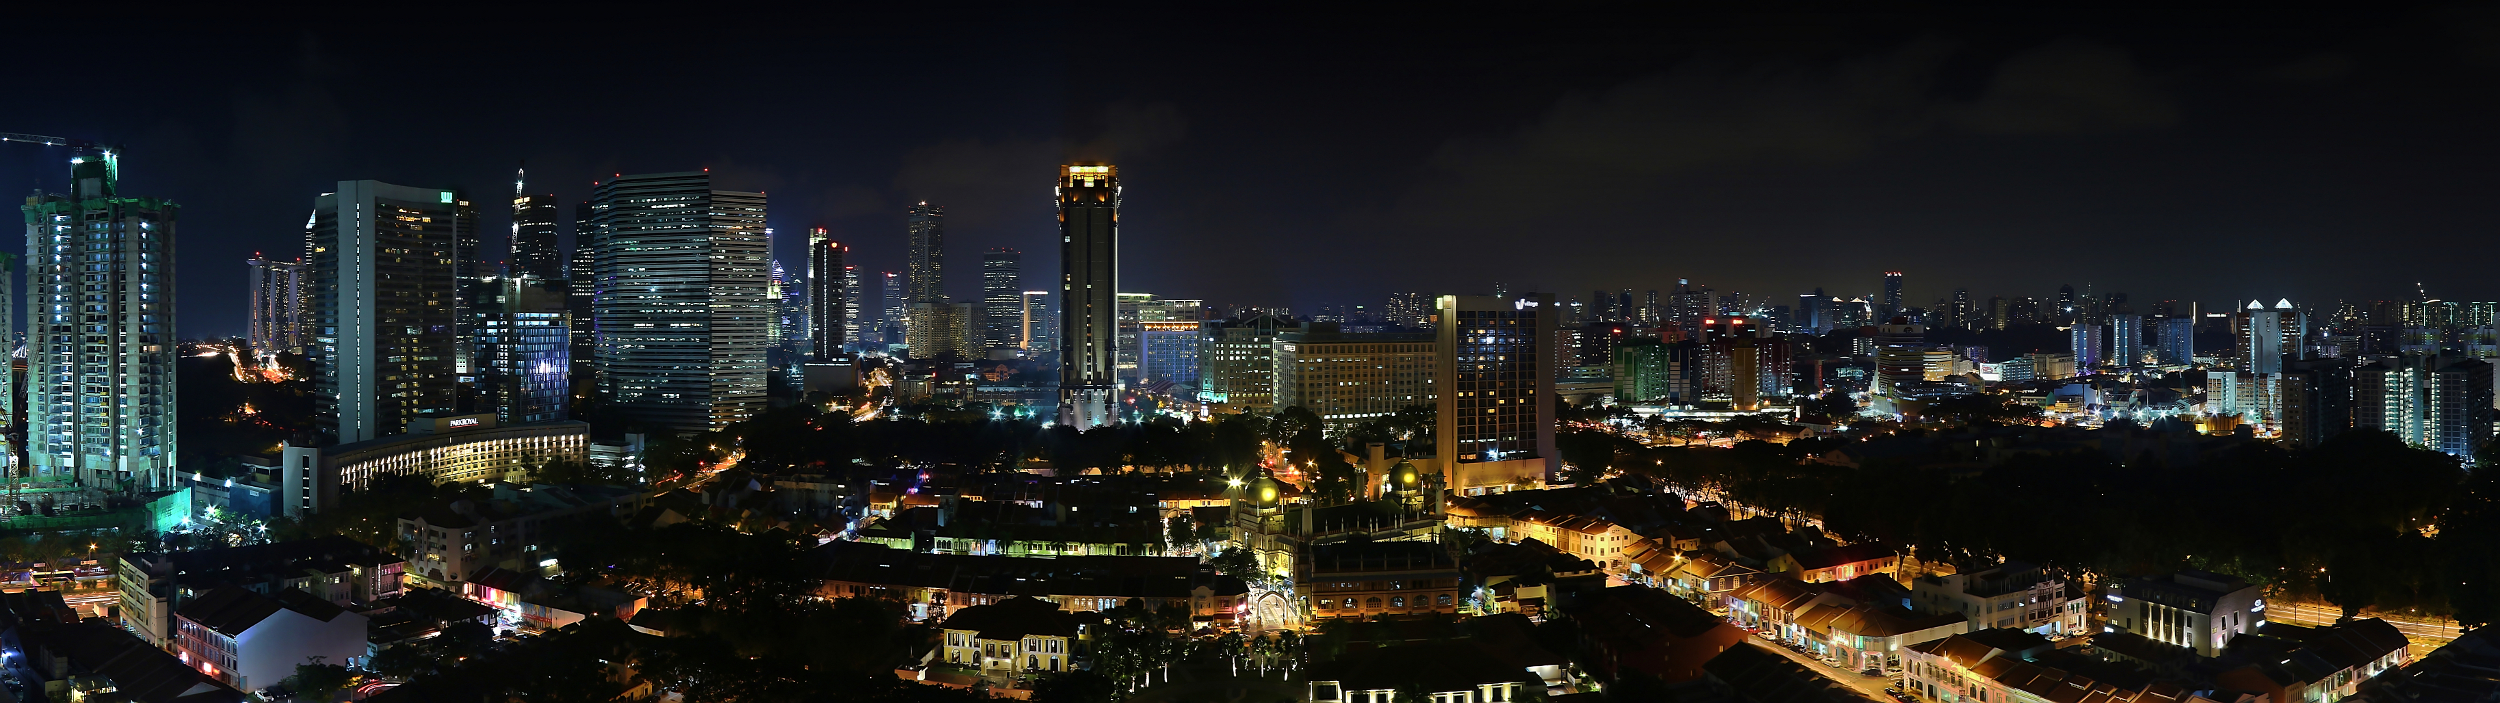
(1645, 370)
(99, 334)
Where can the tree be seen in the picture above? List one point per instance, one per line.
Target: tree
(317, 681)
(1178, 531)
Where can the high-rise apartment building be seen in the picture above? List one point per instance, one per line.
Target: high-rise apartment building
(1237, 360)
(1348, 378)
(2126, 338)
(1002, 297)
(524, 352)
(383, 274)
(940, 330)
(99, 334)
(276, 319)
(2090, 343)
(681, 307)
(2317, 400)
(2174, 340)
(1089, 285)
(829, 305)
(2436, 402)
(1495, 428)
(535, 253)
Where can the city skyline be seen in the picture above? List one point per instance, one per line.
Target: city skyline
(2225, 138)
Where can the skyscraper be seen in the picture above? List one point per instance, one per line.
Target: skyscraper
(1495, 392)
(681, 309)
(1892, 296)
(852, 328)
(2261, 339)
(580, 288)
(383, 271)
(1089, 286)
(524, 352)
(100, 333)
(2175, 340)
(1410, 310)
(890, 314)
(828, 304)
(535, 252)
(469, 274)
(1002, 296)
(927, 265)
(277, 315)
(2429, 401)
(2126, 337)
(1900, 355)
(2089, 342)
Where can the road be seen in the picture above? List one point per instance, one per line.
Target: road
(1872, 686)
(2425, 633)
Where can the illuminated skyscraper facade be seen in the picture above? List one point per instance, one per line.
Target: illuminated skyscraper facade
(1002, 294)
(1892, 296)
(535, 252)
(581, 286)
(100, 334)
(524, 352)
(1089, 284)
(384, 312)
(276, 318)
(682, 308)
(828, 303)
(926, 225)
(1495, 389)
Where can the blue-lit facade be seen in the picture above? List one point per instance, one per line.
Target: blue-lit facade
(524, 353)
(1170, 353)
(2174, 340)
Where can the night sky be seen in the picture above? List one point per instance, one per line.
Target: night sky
(1299, 156)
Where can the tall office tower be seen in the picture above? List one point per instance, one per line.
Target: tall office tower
(890, 314)
(1238, 364)
(790, 313)
(2126, 338)
(1002, 293)
(1814, 312)
(1495, 426)
(1650, 314)
(535, 252)
(2261, 339)
(1963, 315)
(816, 237)
(524, 351)
(2065, 304)
(829, 306)
(1900, 355)
(2294, 323)
(1089, 286)
(383, 272)
(100, 334)
(1623, 304)
(939, 330)
(1034, 322)
(2317, 400)
(580, 288)
(2436, 402)
(1167, 352)
(469, 274)
(852, 325)
(1601, 305)
(927, 265)
(1998, 312)
(1892, 296)
(2174, 340)
(2089, 344)
(681, 306)
(277, 315)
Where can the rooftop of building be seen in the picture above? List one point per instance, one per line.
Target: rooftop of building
(1013, 619)
(141, 672)
(1097, 576)
(230, 610)
(1366, 556)
(261, 563)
